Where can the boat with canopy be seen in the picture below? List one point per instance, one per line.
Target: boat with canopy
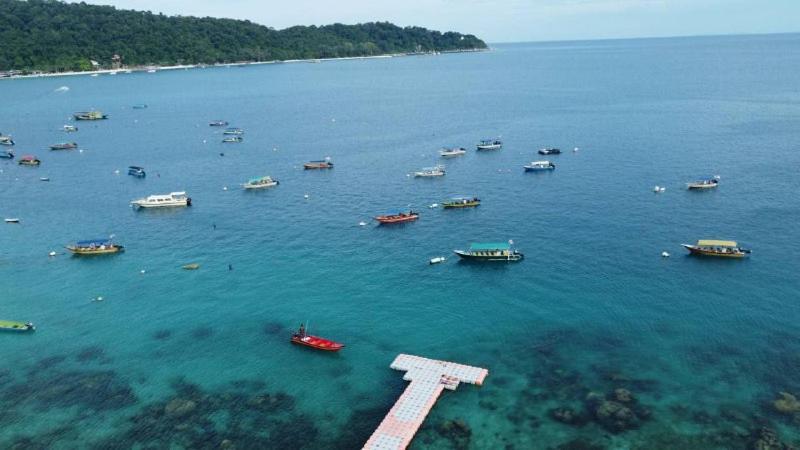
(162, 201)
(491, 251)
(461, 202)
(539, 166)
(490, 144)
(715, 247)
(95, 247)
(260, 183)
(399, 216)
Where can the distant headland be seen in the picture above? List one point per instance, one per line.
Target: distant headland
(51, 37)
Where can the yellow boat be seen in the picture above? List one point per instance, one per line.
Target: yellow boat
(10, 325)
(95, 247)
(462, 202)
(714, 247)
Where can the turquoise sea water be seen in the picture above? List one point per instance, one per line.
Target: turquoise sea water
(200, 359)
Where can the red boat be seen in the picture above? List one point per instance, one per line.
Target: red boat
(322, 164)
(302, 338)
(398, 217)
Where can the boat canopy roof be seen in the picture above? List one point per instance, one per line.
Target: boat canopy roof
(489, 246)
(91, 242)
(715, 243)
(135, 167)
(397, 212)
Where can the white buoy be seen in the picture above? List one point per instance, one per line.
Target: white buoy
(662, 189)
(575, 149)
(437, 260)
(116, 172)
(80, 150)
(224, 188)
(664, 255)
(362, 224)
(305, 196)
(204, 141)
(657, 189)
(142, 271)
(52, 254)
(435, 205)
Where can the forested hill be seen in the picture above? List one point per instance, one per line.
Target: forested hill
(50, 35)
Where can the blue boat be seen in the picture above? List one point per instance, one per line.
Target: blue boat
(6, 154)
(136, 171)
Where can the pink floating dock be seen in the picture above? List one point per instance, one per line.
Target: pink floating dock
(428, 377)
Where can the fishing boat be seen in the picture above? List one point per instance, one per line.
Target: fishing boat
(6, 140)
(20, 327)
(461, 202)
(549, 151)
(450, 152)
(173, 199)
(232, 139)
(260, 183)
(427, 172)
(136, 171)
(12, 220)
(538, 166)
(29, 160)
(95, 247)
(6, 154)
(490, 144)
(69, 128)
(713, 247)
(490, 252)
(398, 217)
(708, 183)
(218, 123)
(321, 164)
(301, 337)
(89, 115)
(233, 131)
(64, 146)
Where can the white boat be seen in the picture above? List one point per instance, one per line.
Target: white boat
(70, 128)
(452, 151)
(490, 144)
(172, 199)
(536, 166)
(260, 183)
(12, 220)
(436, 171)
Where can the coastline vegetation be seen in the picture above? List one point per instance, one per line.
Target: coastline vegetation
(52, 36)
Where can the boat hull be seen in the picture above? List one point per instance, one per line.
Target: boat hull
(160, 205)
(467, 256)
(489, 147)
(460, 205)
(539, 169)
(261, 186)
(390, 220)
(693, 250)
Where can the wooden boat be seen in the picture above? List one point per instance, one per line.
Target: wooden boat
(708, 183)
(452, 152)
(539, 166)
(300, 337)
(64, 146)
(19, 327)
(713, 247)
(549, 151)
(260, 183)
(398, 217)
(95, 247)
(218, 123)
(163, 201)
(321, 164)
(136, 171)
(428, 172)
(6, 154)
(29, 160)
(490, 252)
(89, 115)
(461, 202)
(490, 144)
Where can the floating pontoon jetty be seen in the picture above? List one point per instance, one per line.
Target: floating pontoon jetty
(428, 378)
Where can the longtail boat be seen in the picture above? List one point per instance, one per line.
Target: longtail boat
(461, 202)
(398, 217)
(95, 247)
(490, 252)
(321, 164)
(300, 337)
(10, 325)
(713, 247)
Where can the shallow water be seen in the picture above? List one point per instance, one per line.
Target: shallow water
(704, 345)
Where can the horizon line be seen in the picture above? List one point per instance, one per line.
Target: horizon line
(677, 36)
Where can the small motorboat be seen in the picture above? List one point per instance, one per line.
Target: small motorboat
(397, 217)
(260, 183)
(172, 199)
(714, 247)
(461, 202)
(233, 131)
(320, 164)
(6, 140)
(44, 178)
(218, 123)
(64, 146)
(233, 139)
(489, 144)
(708, 183)
(140, 106)
(136, 171)
(192, 266)
(29, 160)
(428, 172)
(6, 154)
(549, 151)
(21, 327)
(12, 220)
(95, 247)
(437, 260)
(89, 115)
(452, 152)
(301, 337)
(490, 252)
(539, 166)
(69, 128)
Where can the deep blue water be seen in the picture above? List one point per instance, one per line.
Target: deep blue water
(704, 345)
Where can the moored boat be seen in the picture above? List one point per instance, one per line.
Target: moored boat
(6, 140)
(232, 139)
(449, 152)
(64, 146)
(537, 166)
(95, 247)
(461, 202)
(218, 123)
(136, 171)
(21, 327)
(69, 128)
(29, 160)
(12, 220)
(89, 115)
(427, 172)
(549, 151)
(320, 164)
(140, 106)
(708, 183)
(301, 337)
(260, 183)
(233, 131)
(489, 144)
(714, 247)
(173, 199)
(490, 252)
(398, 217)
(6, 154)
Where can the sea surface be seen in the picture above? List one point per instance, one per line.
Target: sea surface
(200, 359)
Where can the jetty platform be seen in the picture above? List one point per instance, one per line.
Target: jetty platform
(428, 377)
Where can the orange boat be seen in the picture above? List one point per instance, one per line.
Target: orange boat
(398, 217)
(303, 338)
(321, 164)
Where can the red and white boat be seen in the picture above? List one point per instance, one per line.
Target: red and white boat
(398, 217)
(303, 338)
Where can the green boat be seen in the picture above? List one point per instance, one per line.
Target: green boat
(10, 325)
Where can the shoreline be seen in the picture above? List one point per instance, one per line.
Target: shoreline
(156, 68)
